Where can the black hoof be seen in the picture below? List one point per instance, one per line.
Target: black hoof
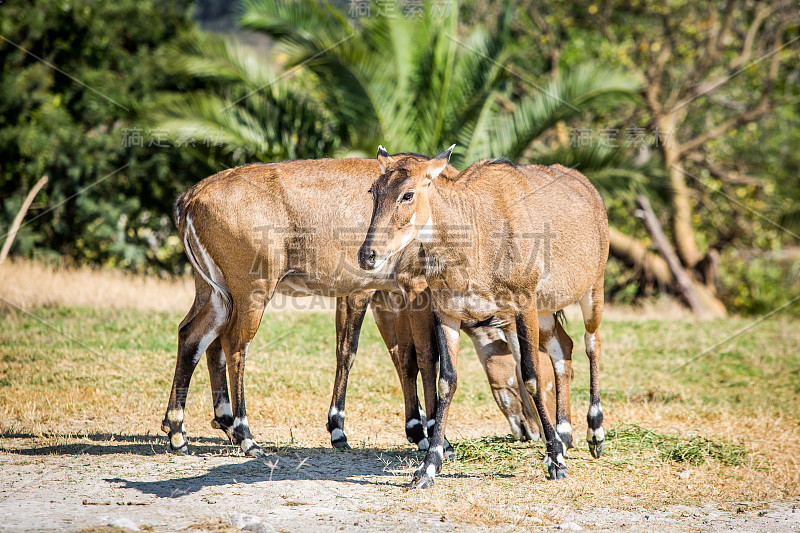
(421, 480)
(566, 438)
(556, 471)
(423, 445)
(339, 439)
(255, 451)
(341, 444)
(596, 448)
(180, 450)
(226, 429)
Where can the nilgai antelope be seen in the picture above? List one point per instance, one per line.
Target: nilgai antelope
(503, 241)
(293, 227)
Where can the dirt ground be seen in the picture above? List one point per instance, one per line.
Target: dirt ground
(97, 481)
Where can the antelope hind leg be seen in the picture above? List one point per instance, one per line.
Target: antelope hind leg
(223, 415)
(592, 310)
(201, 326)
(524, 342)
(249, 302)
(504, 379)
(554, 339)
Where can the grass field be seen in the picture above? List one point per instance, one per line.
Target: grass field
(723, 427)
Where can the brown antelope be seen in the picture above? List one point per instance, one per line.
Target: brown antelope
(504, 241)
(258, 229)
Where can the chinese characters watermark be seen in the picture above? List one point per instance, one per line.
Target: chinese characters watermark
(617, 137)
(392, 9)
(159, 137)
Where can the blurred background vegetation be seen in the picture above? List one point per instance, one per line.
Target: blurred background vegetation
(694, 106)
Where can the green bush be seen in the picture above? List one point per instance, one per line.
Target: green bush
(758, 284)
(74, 78)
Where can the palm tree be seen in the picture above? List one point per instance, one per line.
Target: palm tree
(410, 83)
(249, 110)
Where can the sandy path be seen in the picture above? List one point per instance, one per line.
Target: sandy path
(93, 482)
(309, 488)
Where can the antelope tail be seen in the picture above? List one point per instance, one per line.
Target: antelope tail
(199, 257)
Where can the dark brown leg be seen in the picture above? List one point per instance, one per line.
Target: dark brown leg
(242, 327)
(558, 345)
(426, 345)
(223, 415)
(350, 312)
(447, 331)
(526, 343)
(395, 328)
(592, 309)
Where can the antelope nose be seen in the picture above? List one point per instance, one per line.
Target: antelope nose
(366, 259)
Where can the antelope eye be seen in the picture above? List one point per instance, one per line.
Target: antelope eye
(407, 197)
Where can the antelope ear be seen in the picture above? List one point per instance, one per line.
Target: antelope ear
(439, 163)
(384, 158)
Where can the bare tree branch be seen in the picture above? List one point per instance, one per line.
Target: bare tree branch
(730, 176)
(684, 282)
(763, 11)
(26, 204)
(634, 254)
(720, 129)
(761, 107)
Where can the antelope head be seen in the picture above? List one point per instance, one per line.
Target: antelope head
(401, 208)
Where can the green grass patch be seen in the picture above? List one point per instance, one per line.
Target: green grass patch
(695, 450)
(498, 455)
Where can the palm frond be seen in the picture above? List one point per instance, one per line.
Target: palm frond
(567, 96)
(611, 169)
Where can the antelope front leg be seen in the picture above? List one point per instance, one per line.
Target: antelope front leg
(427, 349)
(526, 339)
(349, 316)
(447, 330)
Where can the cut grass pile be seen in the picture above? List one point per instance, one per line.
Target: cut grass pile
(694, 450)
(495, 454)
(502, 455)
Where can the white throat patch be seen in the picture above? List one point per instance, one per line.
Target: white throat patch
(426, 232)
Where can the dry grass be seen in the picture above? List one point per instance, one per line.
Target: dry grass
(29, 284)
(73, 372)
(33, 284)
